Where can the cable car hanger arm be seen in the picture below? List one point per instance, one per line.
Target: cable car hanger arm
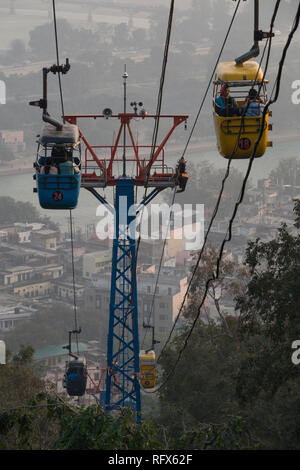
(69, 346)
(43, 103)
(258, 36)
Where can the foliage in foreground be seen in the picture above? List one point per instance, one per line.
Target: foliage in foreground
(242, 365)
(91, 428)
(34, 417)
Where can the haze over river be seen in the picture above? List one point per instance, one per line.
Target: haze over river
(20, 186)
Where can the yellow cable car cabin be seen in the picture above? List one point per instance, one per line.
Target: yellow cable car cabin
(239, 97)
(148, 373)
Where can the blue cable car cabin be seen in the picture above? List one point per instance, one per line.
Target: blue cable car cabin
(58, 167)
(75, 378)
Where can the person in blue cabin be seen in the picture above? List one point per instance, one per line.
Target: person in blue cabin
(72, 377)
(49, 168)
(226, 105)
(58, 153)
(253, 104)
(68, 167)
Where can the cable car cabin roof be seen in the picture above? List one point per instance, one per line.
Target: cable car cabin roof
(51, 136)
(231, 72)
(147, 356)
(77, 362)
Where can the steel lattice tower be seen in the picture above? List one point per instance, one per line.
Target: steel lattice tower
(122, 377)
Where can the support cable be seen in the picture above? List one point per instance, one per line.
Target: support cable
(155, 132)
(71, 221)
(73, 281)
(188, 141)
(216, 208)
(158, 111)
(211, 78)
(242, 192)
(160, 266)
(57, 60)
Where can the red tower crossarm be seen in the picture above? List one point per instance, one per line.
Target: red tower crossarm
(107, 178)
(177, 121)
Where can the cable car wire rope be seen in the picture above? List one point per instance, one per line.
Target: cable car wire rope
(211, 77)
(188, 141)
(153, 145)
(71, 221)
(216, 208)
(71, 406)
(158, 111)
(271, 28)
(154, 139)
(73, 281)
(160, 266)
(57, 59)
(242, 192)
(224, 179)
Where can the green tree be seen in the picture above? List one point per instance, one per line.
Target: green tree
(92, 429)
(241, 367)
(34, 417)
(17, 211)
(271, 304)
(198, 400)
(23, 416)
(50, 326)
(267, 383)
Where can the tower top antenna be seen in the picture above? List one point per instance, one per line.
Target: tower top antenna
(125, 76)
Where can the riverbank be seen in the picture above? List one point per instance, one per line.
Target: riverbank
(17, 167)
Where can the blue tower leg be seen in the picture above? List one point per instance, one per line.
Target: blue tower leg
(122, 384)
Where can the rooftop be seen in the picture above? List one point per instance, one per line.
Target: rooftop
(17, 269)
(58, 350)
(46, 232)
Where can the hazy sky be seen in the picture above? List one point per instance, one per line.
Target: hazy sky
(31, 13)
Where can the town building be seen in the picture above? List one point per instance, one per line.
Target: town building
(14, 140)
(95, 262)
(11, 316)
(161, 309)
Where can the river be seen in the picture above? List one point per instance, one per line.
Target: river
(20, 186)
